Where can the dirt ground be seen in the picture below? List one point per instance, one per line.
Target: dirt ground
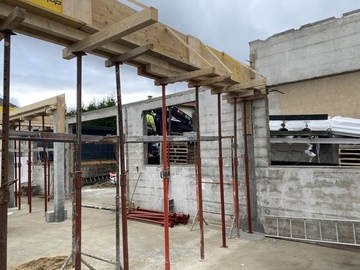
(53, 263)
(35, 244)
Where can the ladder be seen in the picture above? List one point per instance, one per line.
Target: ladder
(330, 231)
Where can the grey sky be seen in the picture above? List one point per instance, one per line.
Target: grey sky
(39, 72)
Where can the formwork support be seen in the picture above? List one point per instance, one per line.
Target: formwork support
(121, 160)
(29, 163)
(236, 176)
(199, 176)
(19, 172)
(247, 174)
(221, 175)
(15, 175)
(4, 187)
(45, 169)
(165, 175)
(77, 179)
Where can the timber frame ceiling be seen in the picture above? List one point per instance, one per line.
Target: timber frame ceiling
(118, 33)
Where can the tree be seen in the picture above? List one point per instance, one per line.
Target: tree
(106, 102)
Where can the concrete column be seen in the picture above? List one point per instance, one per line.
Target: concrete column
(59, 214)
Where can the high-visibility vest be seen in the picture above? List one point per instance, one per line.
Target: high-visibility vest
(151, 122)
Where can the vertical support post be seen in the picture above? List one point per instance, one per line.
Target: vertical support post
(16, 172)
(221, 174)
(19, 172)
(165, 175)
(48, 180)
(236, 176)
(29, 163)
(247, 174)
(122, 176)
(45, 169)
(78, 174)
(199, 176)
(4, 187)
(117, 201)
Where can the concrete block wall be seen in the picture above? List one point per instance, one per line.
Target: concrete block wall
(314, 50)
(331, 193)
(182, 188)
(304, 64)
(145, 183)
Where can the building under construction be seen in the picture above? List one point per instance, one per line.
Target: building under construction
(246, 148)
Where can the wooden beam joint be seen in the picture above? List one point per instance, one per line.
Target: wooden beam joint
(186, 76)
(114, 32)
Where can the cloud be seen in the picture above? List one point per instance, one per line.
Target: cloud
(38, 70)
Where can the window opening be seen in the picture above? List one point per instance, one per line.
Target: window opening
(179, 120)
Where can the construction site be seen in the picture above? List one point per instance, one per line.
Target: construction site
(254, 166)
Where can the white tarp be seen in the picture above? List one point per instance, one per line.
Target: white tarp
(342, 126)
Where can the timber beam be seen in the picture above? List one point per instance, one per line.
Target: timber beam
(113, 30)
(128, 56)
(15, 18)
(187, 76)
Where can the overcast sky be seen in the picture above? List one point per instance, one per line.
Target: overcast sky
(39, 72)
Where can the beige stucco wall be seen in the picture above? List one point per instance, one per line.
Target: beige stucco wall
(336, 96)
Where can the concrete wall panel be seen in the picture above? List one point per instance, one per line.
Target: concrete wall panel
(311, 51)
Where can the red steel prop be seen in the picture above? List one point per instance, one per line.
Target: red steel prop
(158, 217)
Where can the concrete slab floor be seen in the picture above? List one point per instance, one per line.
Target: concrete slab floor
(30, 238)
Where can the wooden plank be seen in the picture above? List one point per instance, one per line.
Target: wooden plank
(113, 32)
(78, 9)
(160, 71)
(38, 108)
(108, 12)
(129, 55)
(42, 12)
(196, 58)
(245, 86)
(186, 76)
(248, 95)
(137, 3)
(15, 18)
(204, 52)
(170, 49)
(210, 81)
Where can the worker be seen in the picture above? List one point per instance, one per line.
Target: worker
(112, 177)
(150, 120)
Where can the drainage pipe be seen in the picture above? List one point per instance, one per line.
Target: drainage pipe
(122, 175)
(221, 174)
(165, 175)
(246, 160)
